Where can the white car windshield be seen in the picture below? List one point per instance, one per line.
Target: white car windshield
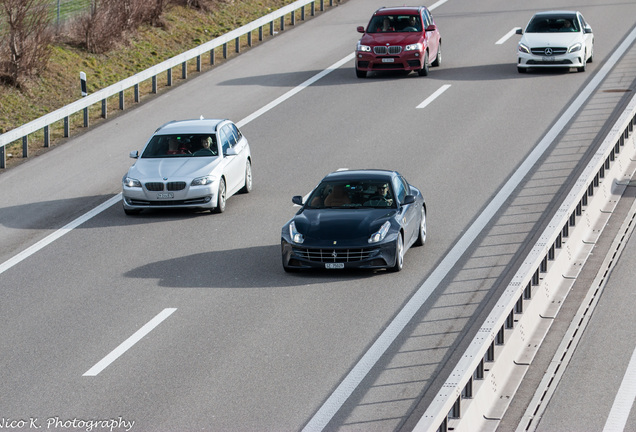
(181, 145)
(352, 194)
(553, 24)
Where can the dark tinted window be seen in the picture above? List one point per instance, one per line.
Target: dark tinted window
(553, 24)
(178, 145)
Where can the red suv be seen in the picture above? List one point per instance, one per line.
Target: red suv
(399, 38)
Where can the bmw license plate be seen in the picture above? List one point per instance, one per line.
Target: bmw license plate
(334, 265)
(388, 60)
(548, 59)
(165, 195)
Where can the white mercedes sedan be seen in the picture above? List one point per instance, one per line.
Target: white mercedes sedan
(555, 39)
(189, 164)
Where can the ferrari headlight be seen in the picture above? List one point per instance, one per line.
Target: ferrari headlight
(379, 235)
(414, 47)
(203, 181)
(576, 47)
(363, 48)
(294, 234)
(524, 49)
(131, 182)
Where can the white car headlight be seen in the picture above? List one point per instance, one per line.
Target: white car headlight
(576, 47)
(202, 181)
(524, 49)
(131, 182)
(379, 235)
(414, 47)
(364, 48)
(294, 234)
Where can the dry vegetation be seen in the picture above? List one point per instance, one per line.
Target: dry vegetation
(110, 44)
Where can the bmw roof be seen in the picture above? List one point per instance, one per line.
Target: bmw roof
(190, 126)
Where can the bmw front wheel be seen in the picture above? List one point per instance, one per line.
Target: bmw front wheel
(248, 178)
(424, 70)
(220, 203)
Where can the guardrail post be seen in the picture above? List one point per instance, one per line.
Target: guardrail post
(237, 44)
(302, 13)
(66, 127)
(313, 8)
(467, 393)
(500, 336)
(25, 146)
(198, 63)
(490, 354)
(136, 92)
(212, 57)
(184, 70)
(169, 77)
(456, 412)
(104, 108)
(322, 5)
(85, 117)
(282, 23)
(154, 84)
(260, 33)
(293, 18)
(510, 321)
(225, 50)
(249, 39)
(527, 292)
(47, 136)
(519, 305)
(479, 372)
(3, 159)
(121, 100)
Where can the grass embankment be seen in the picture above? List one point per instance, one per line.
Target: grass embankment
(59, 85)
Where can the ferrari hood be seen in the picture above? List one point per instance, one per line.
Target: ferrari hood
(332, 225)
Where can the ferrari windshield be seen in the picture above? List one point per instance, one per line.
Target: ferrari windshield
(352, 194)
(182, 145)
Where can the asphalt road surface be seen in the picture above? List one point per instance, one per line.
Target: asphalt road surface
(183, 321)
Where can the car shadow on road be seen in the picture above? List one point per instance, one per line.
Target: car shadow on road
(251, 267)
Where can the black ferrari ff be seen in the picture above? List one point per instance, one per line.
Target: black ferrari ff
(355, 219)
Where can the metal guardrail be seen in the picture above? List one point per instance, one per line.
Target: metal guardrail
(64, 113)
(478, 390)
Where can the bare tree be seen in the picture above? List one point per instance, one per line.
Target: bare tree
(25, 39)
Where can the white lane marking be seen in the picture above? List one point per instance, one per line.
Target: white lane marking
(624, 399)
(295, 90)
(335, 401)
(128, 343)
(439, 3)
(434, 96)
(57, 234)
(507, 36)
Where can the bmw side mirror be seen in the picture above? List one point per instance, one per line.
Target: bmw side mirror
(519, 31)
(134, 154)
(409, 199)
(360, 29)
(432, 27)
(297, 199)
(230, 152)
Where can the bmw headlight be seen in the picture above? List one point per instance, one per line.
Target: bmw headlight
(524, 49)
(414, 47)
(131, 182)
(364, 48)
(576, 47)
(294, 234)
(379, 235)
(203, 181)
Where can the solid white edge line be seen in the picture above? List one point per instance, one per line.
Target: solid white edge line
(507, 36)
(57, 234)
(346, 387)
(624, 399)
(434, 96)
(128, 343)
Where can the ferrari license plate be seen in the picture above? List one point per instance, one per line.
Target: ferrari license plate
(167, 195)
(334, 265)
(388, 60)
